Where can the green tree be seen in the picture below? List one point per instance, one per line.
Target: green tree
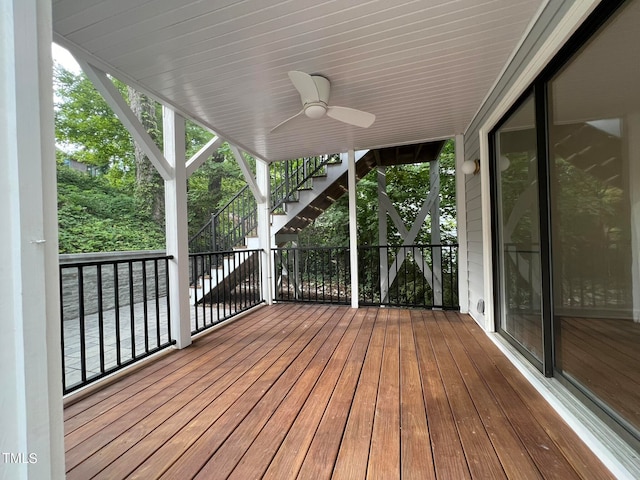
(88, 131)
(407, 187)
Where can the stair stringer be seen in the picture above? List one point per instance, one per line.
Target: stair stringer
(233, 270)
(301, 213)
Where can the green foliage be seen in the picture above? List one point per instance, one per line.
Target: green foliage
(94, 216)
(212, 185)
(88, 131)
(407, 188)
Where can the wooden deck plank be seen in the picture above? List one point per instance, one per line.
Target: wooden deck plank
(384, 454)
(258, 457)
(482, 459)
(321, 456)
(448, 454)
(554, 447)
(79, 413)
(336, 346)
(218, 419)
(321, 392)
(149, 434)
(513, 456)
(105, 414)
(279, 379)
(416, 458)
(353, 454)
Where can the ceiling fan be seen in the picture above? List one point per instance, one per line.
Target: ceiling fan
(314, 92)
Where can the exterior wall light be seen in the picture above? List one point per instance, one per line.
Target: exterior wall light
(471, 166)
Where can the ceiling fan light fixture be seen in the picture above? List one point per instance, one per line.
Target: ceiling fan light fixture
(315, 111)
(314, 93)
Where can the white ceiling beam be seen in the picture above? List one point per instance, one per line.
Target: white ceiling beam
(205, 152)
(112, 96)
(248, 174)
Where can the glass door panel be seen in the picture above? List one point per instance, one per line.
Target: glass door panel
(518, 245)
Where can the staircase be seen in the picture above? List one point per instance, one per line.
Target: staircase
(301, 191)
(217, 274)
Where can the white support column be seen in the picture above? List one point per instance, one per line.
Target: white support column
(353, 228)
(461, 227)
(264, 229)
(175, 194)
(434, 185)
(31, 419)
(383, 200)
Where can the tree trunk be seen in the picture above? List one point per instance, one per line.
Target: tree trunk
(149, 184)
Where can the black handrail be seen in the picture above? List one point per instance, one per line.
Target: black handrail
(112, 316)
(292, 176)
(424, 276)
(238, 218)
(223, 284)
(228, 227)
(312, 274)
(322, 275)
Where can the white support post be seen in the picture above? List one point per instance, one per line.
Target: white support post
(353, 228)
(461, 227)
(383, 201)
(177, 227)
(31, 418)
(264, 229)
(436, 255)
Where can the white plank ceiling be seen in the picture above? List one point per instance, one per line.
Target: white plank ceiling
(422, 67)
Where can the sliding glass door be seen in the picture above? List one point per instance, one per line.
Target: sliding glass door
(518, 238)
(569, 298)
(594, 139)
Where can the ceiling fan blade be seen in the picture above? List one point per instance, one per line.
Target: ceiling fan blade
(290, 118)
(352, 116)
(305, 85)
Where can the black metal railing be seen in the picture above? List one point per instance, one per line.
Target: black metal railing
(223, 284)
(228, 227)
(319, 274)
(423, 276)
(289, 177)
(402, 276)
(239, 217)
(114, 312)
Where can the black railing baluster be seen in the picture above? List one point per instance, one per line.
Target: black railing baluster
(166, 274)
(132, 316)
(83, 353)
(194, 282)
(157, 293)
(100, 317)
(62, 332)
(116, 309)
(145, 306)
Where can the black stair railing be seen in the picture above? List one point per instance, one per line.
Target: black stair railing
(288, 178)
(239, 217)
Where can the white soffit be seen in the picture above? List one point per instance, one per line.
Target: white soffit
(422, 67)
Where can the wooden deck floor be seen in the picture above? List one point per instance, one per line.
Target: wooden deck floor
(314, 392)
